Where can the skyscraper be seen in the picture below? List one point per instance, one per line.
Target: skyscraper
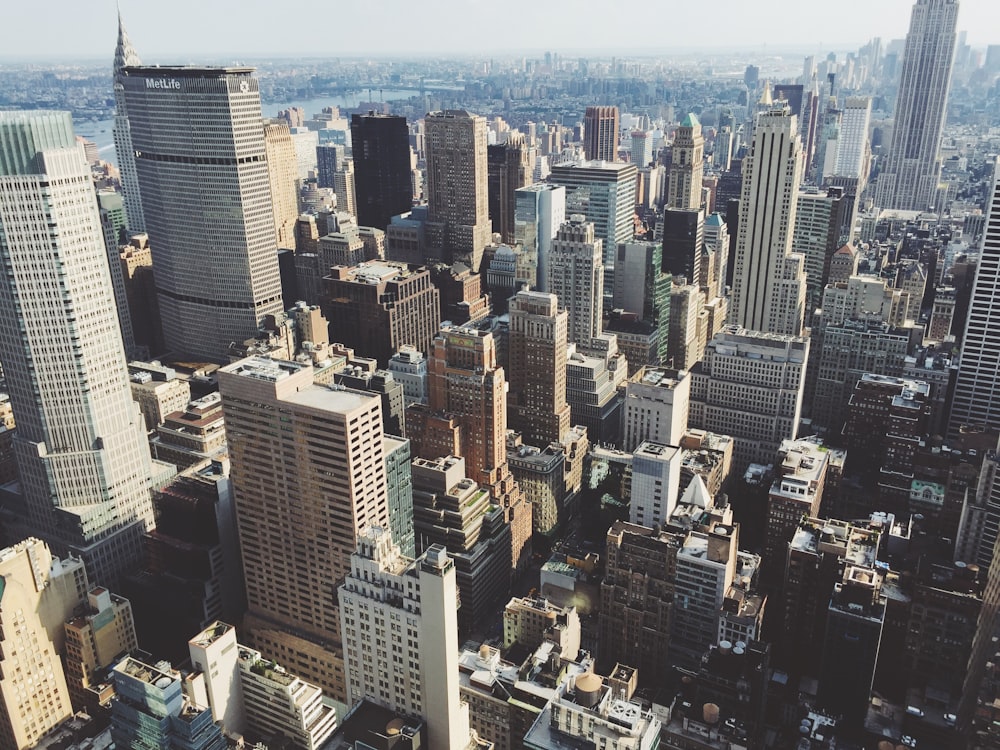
(382, 184)
(576, 277)
(282, 171)
(203, 175)
(768, 280)
(600, 133)
(457, 197)
(508, 169)
(687, 163)
(539, 211)
(81, 444)
(308, 473)
(909, 179)
(125, 55)
(384, 590)
(977, 390)
(536, 347)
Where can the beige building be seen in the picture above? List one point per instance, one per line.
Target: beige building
(100, 632)
(157, 390)
(532, 621)
(457, 196)
(687, 166)
(282, 172)
(38, 594)
(193, 434)
(308, 476)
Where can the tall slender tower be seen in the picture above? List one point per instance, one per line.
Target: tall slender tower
(977, 390)
(686, 166)
(509, 169)
(576, 277)
(125, 55)
(912, 170)
(600, 133)
(537, 351)
(381, 168)
(201, 159)
(457, 195)
(81, 441)
(768, 280)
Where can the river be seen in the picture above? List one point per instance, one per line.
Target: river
(100, 131)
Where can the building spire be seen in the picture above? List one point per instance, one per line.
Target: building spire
(125, 53)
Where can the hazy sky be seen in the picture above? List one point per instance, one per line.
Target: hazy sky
(192, 30)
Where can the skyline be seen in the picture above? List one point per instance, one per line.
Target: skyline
(81, 34)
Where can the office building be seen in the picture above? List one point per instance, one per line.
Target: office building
(656, 474)
(657, 401)
(687, 163)
(768, 279)
(249, 694)
(452, 510)
(151, 710)
(539, 211)
(576, 277)
(409, 367)
(308, 473)
(193, 574)
(469, 387)
(80, 444)
(977, 400)
(642, 148)
(536, 400)
(329, 156)
(126, 56)
(40, 593)
(458, 223)
(378, 306)
(381, 153)
(343, 187)
(594, 377)
(399, 614)
(399, 480)
(606, 193)
(282, 177)
(508, 170)
(819, 219)
(750, 386)
(228, 224)
(158, 391)
(97, 634)
(534, 620)
(635, 611)
(600, 133)
(800, 468)
(642, 289)
(909, 178)
(136, 261)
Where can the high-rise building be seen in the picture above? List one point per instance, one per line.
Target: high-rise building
(379, 306)
(201, 159)
(536, 346)
(508, 170)
(977, 399)
(687, 163)
(39, 593)
(600, 133)
(458, 224)
(656, 407)
(282, 173)
(642, 148)
(381, 148)
(909, 179)
(400, 614)
(308, 473)
(80, 443)
(768, 279)
(606, 193)
(539, 211)
(643, 290)
(819, 219)
(656, 474)
(343, 186)
(576, 277)
(125, 56)
(768, 372)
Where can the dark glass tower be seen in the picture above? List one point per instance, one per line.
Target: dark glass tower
(381, 168)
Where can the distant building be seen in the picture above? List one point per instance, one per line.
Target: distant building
(381, 152)
(600, 133)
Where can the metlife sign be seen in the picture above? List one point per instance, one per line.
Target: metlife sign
(163, 83)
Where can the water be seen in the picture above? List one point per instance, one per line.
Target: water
(101, 131)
